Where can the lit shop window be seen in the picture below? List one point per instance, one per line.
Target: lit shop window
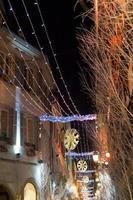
(30, 192)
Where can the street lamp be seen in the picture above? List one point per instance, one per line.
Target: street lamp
(95, 157)
(107, 155)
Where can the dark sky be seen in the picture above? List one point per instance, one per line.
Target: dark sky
(62, 24)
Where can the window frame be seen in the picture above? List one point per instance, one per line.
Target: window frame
(7, 128)
(8, 62)
(28, 139)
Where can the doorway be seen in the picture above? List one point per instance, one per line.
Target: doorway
(4, 194)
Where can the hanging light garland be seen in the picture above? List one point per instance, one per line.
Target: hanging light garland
(85, 172)
(41, 51)
(75, 154)
(48, 117)
(68, 118)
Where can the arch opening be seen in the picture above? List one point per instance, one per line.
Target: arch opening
(30, 192)
(4, 193)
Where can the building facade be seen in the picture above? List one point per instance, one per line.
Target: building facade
(22, 173)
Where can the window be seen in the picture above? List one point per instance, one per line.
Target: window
(4, 123)
(29, 79)
(4, 193)
(30, 192)
(7, 67)
(29, 130)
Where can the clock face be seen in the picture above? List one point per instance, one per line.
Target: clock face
(71, 139)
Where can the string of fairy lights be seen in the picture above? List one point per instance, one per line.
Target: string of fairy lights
(38, 104)
(30, 100)
(33, 99)
(81, 118)
(33, 60)
(54, 54)
(81, 156)
(83, 174)
(56, 119)
(22, 105)
(42, 53)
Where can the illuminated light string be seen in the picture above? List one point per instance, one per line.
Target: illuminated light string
(90, 181)
(80, 154)
(61, 119)
(9, 53)
(41, 50)
(87, 129)
(20, 30)
(22, 105)
(19, 105)
(75, 154)
(68, 118)
(54, 55)
(27, 100)
(22, 86)
(34, 60)
(80, 145)
(84, 136)
(22, 73)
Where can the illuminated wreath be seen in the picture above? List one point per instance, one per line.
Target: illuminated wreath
(82, 165)
(85, 179)
(71, 139)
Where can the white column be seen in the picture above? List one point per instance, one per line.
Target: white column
(17, 147)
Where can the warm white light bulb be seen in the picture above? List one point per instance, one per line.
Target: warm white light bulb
(95, 157)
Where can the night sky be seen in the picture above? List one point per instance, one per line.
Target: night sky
(63, 25)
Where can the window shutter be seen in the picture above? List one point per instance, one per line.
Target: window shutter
(36, 132)
(22, 128)
(30, 130)
(25, 130)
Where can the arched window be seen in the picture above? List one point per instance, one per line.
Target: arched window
(30, 192)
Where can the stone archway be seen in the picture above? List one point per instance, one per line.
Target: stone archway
(5, 193)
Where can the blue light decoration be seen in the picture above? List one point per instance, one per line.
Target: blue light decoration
(65, 119)
(86, 172)
(90, 181)
(75, 154)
